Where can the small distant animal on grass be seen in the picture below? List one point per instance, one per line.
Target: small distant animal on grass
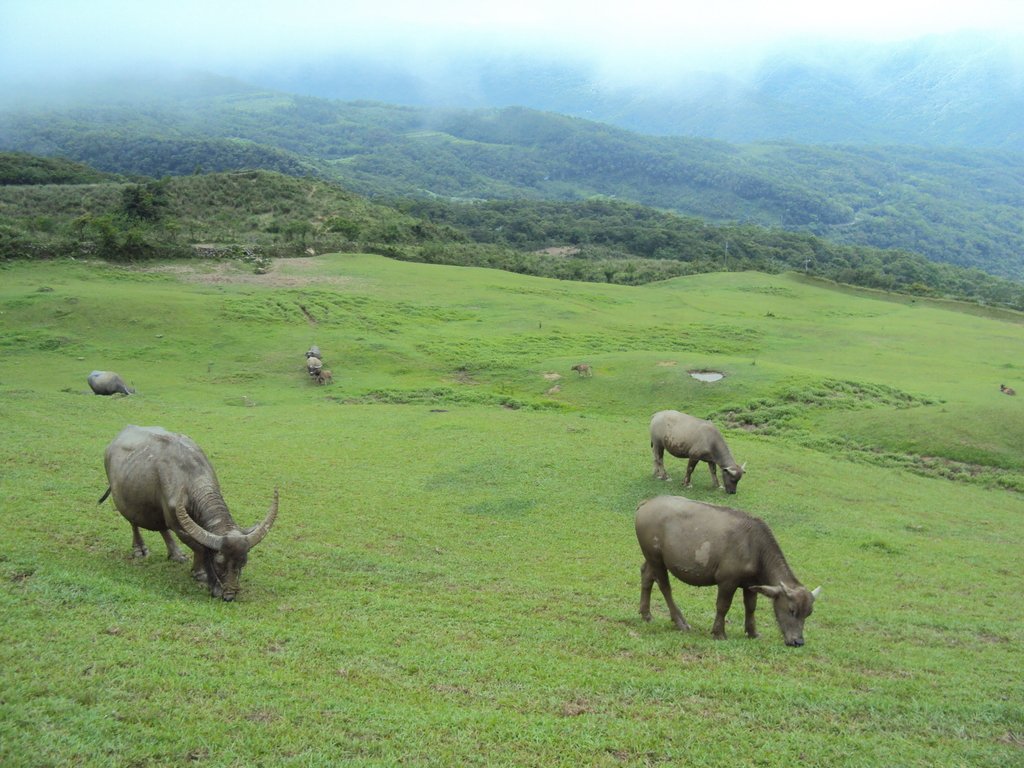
(324, 377)
(583, 369)
(1007, 390)
(704, 545)
(314, 351)
(696, 440)
(314, 365)
(108, 383)
(162, 481)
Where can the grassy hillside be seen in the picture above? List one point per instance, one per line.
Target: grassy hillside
(453, 578)
(952, 206)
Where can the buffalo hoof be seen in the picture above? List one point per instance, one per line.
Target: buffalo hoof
(682, 626)
(178, 558)
(140, 552)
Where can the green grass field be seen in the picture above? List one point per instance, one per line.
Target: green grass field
(453, 578)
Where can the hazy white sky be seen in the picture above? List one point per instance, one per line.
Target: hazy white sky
(42, 36)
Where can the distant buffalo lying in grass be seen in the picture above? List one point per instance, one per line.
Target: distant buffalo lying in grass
(1007, 390)
(108, 383)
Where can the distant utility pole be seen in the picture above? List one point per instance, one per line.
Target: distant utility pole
(726, 259)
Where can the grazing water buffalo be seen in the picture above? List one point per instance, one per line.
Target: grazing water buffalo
(314, 351)
(1007, 390)
(314, 365)
(583, 369)
(324, 377)
(163, 482)
(108, 383)
(690, 438)
(703, 544)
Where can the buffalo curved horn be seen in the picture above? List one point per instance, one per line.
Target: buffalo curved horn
(815, 592)
(196, 531)
(255, 536)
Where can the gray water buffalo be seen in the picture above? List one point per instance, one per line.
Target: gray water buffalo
(163, 482)
(314, 351)
(314, 365)
(703, 544)
(108, 383)
(687, 437)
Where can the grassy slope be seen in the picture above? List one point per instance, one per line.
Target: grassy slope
(451, 581)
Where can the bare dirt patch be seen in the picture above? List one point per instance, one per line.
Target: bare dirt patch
(235, 273)
(667, 363)
(552, 376)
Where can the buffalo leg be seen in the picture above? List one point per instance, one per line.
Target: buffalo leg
(658, 573)
(749, 604)
(659, 460)
(689, 471)
(646, 582)
(139, 548)
(199, 566)
(714, 474)
(173, 552)
(725, 595)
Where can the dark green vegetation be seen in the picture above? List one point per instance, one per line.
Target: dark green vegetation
(453, 578)
(257, 214)
(954, 206)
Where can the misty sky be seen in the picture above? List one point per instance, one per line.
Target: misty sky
(72, 37)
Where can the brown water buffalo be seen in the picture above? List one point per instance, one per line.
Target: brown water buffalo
(163, 482)
(583, 369)
(324, 377)
(108, 383)
(703, 544)
(1007, 390)
(687, 437)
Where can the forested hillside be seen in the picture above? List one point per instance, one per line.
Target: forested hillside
(955, 206)
(254, 215)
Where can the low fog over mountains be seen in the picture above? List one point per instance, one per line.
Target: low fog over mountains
(957, 90)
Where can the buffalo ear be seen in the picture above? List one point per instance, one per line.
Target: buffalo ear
(768, 590)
